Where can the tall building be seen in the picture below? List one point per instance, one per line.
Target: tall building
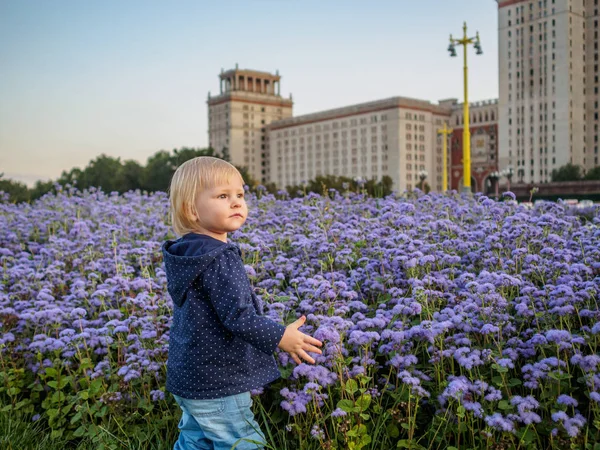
(548, 105)
(248, 101)
(394, 137)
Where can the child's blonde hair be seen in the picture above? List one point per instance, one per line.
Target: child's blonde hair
(193, 176)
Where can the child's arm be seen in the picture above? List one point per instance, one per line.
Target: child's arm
(226, 283)
(297, 343)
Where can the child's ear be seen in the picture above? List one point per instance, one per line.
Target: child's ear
(190, 213)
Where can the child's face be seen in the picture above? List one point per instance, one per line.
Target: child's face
(221, 209)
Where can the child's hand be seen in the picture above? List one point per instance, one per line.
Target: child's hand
(296, 343)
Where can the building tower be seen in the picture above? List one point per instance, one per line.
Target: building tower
(548, 105)
(237, 118)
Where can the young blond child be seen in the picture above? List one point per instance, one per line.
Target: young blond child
(220, 344)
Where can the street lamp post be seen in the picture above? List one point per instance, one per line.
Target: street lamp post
(465, 41)
(445, 132)
(495, 177)
(508, 173)
(422, 176)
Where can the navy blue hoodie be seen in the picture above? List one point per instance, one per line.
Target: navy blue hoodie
(220, 344)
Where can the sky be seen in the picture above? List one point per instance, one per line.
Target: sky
(130, 78)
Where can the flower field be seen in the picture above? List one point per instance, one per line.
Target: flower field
(448, 322)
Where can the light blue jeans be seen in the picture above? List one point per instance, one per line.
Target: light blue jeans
(219, 424)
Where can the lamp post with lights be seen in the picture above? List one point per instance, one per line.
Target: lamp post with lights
(495, 177)
(465, 41)
(508, 173)
(422, 176)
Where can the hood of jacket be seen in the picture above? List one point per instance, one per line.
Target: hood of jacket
(186, 259)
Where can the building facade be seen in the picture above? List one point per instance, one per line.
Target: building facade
(396, 137)
(548, 75)
(483, 124)
(238, 117)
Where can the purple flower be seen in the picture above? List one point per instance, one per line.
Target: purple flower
(157, 395)
(338, 413)
(566, 400)
(78, 313)
(317, 433)
(499, 422)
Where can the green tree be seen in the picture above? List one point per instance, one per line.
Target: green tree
(17, 191)
(248, 178)
(593, 174)
(380, 188)
(101, 173)
(129, 177)
(225, 154)
(186, 153)
(322, 183)
(41, 188)
(158, 172)
(110, 174)
(568, 172)
(74, 177)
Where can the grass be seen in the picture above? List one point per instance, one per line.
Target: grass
(18, 432)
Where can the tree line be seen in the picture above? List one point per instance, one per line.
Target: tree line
(113, 175)
(573, 172)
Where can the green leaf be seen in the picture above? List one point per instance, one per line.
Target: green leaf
(365, 440)
(79, 431)
(95, 386)
(85, 363)
(405, 426)
(360, 429)
(285, 372)
(22, 403)
(365, 416)
(501, 369)
(407, 443)
(50, 372)
(515, 382)
(141, 436)
(363, 402)
(57, 433)
(346, 405)
(393, 431)
(559, 376)
(52, 412)
(498, 381)
(527, 436)
(63, 382)
(76, 418)
(84, 395)
(102, 411)
(351, 386)
(13, 391)
(58, 397)
(503, 404)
